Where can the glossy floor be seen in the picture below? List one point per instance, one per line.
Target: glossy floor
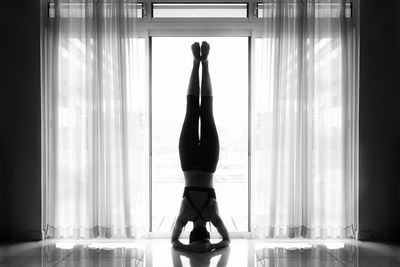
(158, 253)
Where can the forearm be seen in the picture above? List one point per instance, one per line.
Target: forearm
(221, 228)
(199, 247)
(222, 244)
(176, 232)
(224, 233)
(178, 244)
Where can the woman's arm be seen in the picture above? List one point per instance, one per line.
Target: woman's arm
(219, 224)
(198, 247)
(221, 244)
(176, 232)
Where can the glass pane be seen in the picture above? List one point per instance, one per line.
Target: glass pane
(326, 141)
(74, 115)
(204, 10)
(322, 10)
(171, 68)
(81, 10)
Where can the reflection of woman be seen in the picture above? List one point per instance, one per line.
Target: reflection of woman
(199, 157)
(200, 260)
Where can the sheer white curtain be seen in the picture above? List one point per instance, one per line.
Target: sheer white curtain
(95, 121)
(302, 176)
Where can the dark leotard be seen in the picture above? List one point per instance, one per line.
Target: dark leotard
(199, 153)
(211, 194)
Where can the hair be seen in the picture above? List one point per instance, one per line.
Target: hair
(199, 234)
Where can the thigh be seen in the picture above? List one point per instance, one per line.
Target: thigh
(189, 145)
(189, 134)
(209, 143)
(209, 135)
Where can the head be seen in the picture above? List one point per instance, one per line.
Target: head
(199, 233)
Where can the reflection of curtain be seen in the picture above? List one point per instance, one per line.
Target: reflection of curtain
(97, 180)
(302, 151)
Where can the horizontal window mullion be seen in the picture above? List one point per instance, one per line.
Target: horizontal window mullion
(199, 2)
(199, 10)
(199, 33)
(199, 6)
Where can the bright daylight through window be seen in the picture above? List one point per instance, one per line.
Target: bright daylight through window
(285, 99)
(171, 66)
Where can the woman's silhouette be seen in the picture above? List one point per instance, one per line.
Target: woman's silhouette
(199, 157)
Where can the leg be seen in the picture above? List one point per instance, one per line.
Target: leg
(194, 88)
(189, 138)
(209, 144)
(189, 133)
(206, 88)
(208, 132)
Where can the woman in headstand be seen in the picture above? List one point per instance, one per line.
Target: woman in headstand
(199, 157)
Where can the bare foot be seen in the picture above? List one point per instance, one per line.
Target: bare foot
(196, 51)
(205, 49)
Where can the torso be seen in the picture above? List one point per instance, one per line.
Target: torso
(199, 178)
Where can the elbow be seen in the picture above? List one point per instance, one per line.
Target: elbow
(174, 243)
(227, 239)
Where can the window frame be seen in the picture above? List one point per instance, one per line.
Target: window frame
(251, 27)
(198, 3)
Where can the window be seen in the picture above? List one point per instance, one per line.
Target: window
(323, 10)
(77, 10)
(200, 10)
(171, 67)
(165, 31)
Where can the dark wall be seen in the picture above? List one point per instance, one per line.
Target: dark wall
(20, 178)
(379, 119)
(20, 213)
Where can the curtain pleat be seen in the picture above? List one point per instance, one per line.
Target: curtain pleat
(99, 167)
(300, 172)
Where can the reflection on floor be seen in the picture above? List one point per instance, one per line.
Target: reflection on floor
(165, 224)
(158, 252)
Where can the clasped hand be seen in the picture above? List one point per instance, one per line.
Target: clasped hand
(200, 247)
